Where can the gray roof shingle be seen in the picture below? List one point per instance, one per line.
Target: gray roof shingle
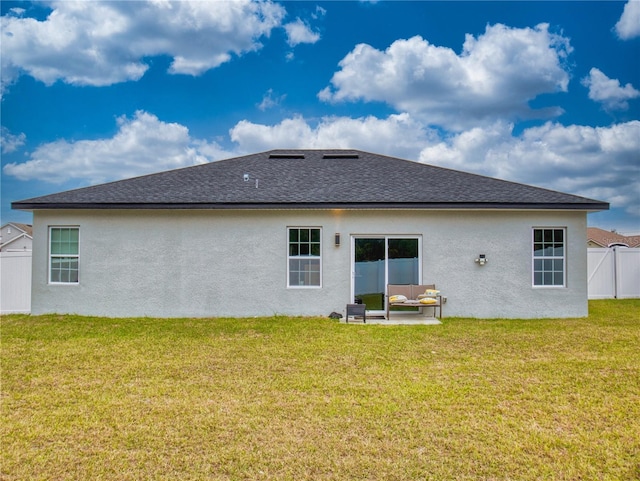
(311, 179)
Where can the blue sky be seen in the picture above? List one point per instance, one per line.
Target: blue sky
(544, 93)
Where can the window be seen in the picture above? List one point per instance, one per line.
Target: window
(304, 258)
(549, 257)
(63, 255)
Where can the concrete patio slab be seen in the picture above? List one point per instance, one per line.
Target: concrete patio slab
(397, 321)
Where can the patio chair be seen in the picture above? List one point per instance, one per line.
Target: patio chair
(356, 310)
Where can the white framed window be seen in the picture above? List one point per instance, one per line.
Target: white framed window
(549, 257)
(64, 255)
(304, 259)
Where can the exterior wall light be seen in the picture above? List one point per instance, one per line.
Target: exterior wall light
(482, 259)
(337, 239)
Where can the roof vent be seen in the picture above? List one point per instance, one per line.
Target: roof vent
(286, 156)
(340, 156)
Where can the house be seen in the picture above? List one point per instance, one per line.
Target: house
(16, 237)
(602, 238)
(305, 232)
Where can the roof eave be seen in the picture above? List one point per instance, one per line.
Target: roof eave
(586, 206)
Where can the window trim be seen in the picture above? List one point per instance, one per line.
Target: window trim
(290, 257)
(563, 257)
(51, 256)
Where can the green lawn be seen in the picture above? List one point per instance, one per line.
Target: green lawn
(312, 399)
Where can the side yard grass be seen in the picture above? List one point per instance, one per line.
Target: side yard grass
(312, 399)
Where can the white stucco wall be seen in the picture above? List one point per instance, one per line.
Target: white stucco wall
(233, 263)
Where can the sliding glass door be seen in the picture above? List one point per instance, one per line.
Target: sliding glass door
(381, 260)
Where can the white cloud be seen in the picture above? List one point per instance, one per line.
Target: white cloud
(17, 11)
(299, 32)
(608, 91)
(398, 134)
(11, 142)
(101, 43)
(495, 76)
(320, 12)
(143, 144)
(269, 100)
(597, 162)
(628, 26)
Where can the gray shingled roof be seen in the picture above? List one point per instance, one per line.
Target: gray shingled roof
(311, 179)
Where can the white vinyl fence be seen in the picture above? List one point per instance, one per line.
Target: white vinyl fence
(614, 273)
(15, 282)
(372, 276)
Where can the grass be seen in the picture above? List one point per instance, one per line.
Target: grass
(311, 399)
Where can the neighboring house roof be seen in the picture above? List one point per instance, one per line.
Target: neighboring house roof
(312, 179)
(25, 228)
(20, 231)
(606, 238)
